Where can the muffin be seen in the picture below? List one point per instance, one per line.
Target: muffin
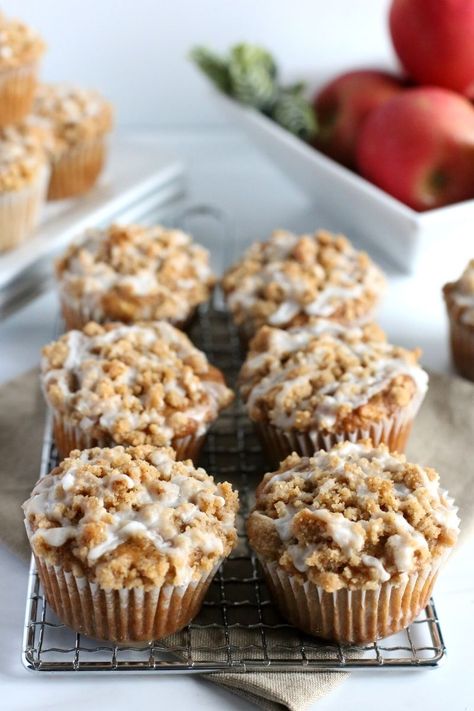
(79, 120)
(133, 274)
(459, 298)
(21, 49)
(23, 183)
(290, 279)
(127, 540)
(308, 388)
(131, 385)
(351, 540)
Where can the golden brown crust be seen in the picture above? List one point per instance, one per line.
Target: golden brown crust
(19, 44)
(22, 156)
(289, 279)
(132, 273)
(139, 384)
(128, 517)
(328, 377)
(352, 517)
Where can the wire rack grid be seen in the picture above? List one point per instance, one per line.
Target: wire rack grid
(238, 628)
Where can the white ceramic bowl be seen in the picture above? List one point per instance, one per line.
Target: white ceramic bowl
(352, 205)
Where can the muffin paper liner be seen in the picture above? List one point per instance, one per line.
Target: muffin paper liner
(392, 431)
(462, 347)
(351, 616)
(20, 210)
(78, 316)
(17, 89)
(125, 615)
(69, 436)
(77, 169)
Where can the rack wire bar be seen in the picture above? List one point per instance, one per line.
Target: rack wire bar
(238, 628)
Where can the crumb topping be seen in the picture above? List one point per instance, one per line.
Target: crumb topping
(19, 44)
(135, 273)
(22, 157)
(459, 296)
(353, 517)
(289, 279)
(131, 517)
(139, 384)
(72, 114)
(327, 376)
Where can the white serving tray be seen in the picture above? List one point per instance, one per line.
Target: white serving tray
(351, 204)
(139, 178)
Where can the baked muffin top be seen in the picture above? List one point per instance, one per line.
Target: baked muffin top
(132, 273)
(327, 376)
(21, 156)
(353, 517)
(19, 44)
(131, 517)
(139, 384)
(72, 114)
(290, 278)
(459, 296)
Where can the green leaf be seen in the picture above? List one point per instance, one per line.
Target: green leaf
(296, 114)
(213, 66)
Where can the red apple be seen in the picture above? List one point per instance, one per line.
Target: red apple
(342, 106)
(419, 147)
(434, 40)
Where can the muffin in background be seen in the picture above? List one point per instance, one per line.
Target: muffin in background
(127, 540)
(140, 384)
(24, 174)
(351, 540)
(21, 49)
(133, 273)
(79, 120)
(290, 279)
(459, 299)
(308, 388)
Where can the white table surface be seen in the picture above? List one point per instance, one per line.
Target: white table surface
(225, 170)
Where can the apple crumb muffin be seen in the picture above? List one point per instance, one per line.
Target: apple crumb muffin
(133, 273)
(140, 384)
(21, 48)
(23, 182)
(357, 519)
(79, 120)
(459, 299)
(291, 278)
(131, 531)
(307, 388)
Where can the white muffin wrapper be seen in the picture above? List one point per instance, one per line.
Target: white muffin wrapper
(351, 616)
(20, 210)
(126, 615)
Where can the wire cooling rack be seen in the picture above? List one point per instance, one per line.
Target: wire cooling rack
(238, 628)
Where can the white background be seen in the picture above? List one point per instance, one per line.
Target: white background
(135, 51)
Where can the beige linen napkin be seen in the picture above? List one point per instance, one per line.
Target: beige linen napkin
(442, 437)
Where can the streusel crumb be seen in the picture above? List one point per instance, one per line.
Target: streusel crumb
(128, 517)
(330, 377)
(132, 273)
(22, 156)
(19, 44)
(353, 517)
(289, 279)
(71, 114)
(459, 296)
(139, 384)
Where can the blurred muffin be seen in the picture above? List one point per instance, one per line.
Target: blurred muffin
(127, 540)
(351, 540)
(79, 120)
(131, 274)
(459, 299)
(21, 49)
(290, 279)
(23, 183)
(131, 385)
(308, 388)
